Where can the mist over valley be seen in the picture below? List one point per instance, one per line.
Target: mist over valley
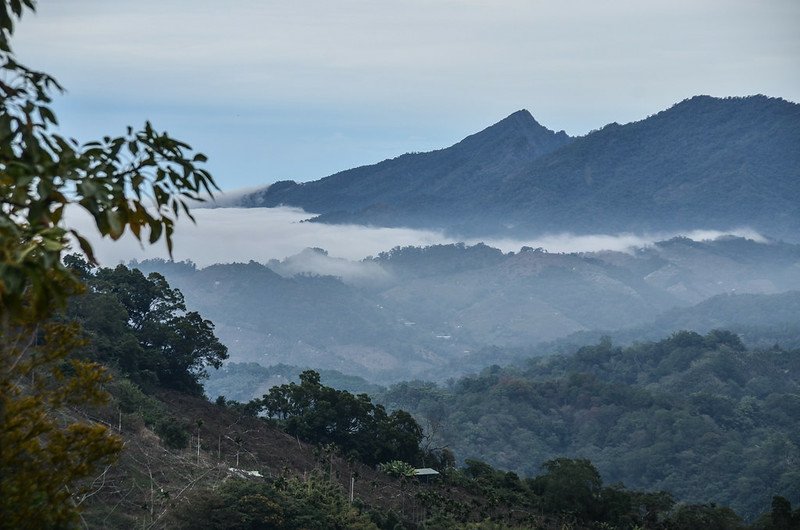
(631, 296)
(400, 265)
(424, 265)
(435, 312)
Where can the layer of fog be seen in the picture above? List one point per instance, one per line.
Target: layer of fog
(227, 235)
(317, 261)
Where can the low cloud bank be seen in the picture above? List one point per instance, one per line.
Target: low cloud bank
(619, 242)
(317, 261)
(228, 199)
(226, 235)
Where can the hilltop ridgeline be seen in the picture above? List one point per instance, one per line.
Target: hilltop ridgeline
(703, 163)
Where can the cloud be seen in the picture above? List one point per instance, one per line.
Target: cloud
(317, 261)
(228, 198)
(226, 235)
(618, 242)
(415, 51)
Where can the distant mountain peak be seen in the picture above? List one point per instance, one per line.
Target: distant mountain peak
(704, 162)
(519, 125)
(522, 120)
(522, 116)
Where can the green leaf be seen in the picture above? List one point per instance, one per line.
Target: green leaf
(87, 249)
(52, 245)
(115, 224)
(47, 115)
(155, 231)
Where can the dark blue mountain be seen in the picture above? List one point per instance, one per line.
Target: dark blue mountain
(417, 188)
(704, 163)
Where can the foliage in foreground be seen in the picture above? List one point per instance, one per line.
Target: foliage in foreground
(569, 491)
(570, 494)
(289, 503)
(43, 450)
(140, 326)
(138, 182)
(323, 415)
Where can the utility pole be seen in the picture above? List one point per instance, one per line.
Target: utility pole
(199, 424)
(352, 484)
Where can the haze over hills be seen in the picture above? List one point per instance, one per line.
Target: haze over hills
(704, 163)
(432, 312)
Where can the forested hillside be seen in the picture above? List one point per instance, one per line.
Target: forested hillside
(291, 457)
(700, 416)
(439, 311)
(245, 381)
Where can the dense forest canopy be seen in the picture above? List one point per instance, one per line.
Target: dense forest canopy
(700, 416)
(140, 326)
(572, 488)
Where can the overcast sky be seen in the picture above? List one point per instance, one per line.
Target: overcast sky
(300, 89)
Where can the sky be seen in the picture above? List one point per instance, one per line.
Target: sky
(274, 90)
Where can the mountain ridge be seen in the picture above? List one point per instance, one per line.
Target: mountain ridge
(705, 162)
(517, 137)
